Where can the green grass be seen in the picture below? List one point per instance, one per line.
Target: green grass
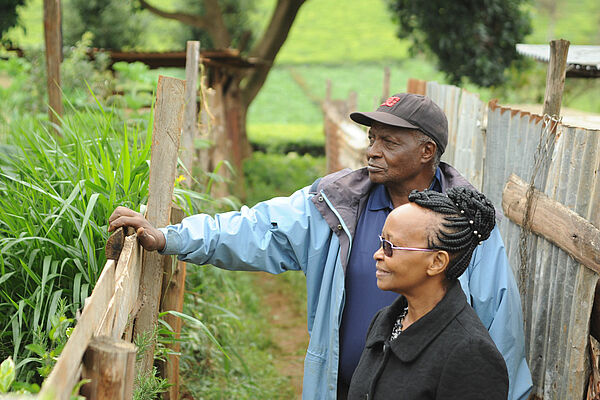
(247, 371)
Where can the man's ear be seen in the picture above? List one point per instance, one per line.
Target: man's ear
(428, 151)
(440, 262)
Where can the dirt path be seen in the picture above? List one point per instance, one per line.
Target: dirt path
(288, 327)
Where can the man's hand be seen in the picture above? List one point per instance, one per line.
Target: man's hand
(149, 237)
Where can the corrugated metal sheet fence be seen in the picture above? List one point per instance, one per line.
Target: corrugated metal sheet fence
(486, 144)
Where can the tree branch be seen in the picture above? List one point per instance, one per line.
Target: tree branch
(212, 22)
(269, 45)
(194, 20)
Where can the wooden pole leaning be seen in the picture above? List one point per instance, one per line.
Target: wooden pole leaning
(166, 134)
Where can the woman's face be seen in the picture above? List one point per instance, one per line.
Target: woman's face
(405, 271)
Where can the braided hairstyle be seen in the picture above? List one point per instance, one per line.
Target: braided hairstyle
(468, 219)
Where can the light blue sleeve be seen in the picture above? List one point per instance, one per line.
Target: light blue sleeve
(492, 291)
(274, 236)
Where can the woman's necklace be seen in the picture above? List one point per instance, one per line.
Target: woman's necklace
(397, 330)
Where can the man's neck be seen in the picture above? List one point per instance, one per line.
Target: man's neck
(399, 192)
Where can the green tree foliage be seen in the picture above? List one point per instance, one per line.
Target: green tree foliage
(470, 38)
(114, 23)
(8, 15)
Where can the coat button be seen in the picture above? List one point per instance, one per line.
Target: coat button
(339, 227)
(320, 198)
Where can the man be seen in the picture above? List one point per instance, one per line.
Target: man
(330, 232)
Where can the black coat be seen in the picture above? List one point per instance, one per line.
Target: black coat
(446, 354)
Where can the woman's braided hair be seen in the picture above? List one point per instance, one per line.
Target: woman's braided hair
(469, 218)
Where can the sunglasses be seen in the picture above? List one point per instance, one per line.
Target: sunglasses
(388, 247)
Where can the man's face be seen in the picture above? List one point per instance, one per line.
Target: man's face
(393, 155)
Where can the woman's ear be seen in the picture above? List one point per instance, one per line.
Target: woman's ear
(441, 259)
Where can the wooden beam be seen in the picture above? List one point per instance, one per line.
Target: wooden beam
(166, 134)
(555, 77)
(555, 222)
(190, 115)
(110, 365)
(53, 40)
(64, 374)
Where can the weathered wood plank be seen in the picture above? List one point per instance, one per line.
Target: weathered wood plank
(127, 282)
(190, 115)
(53, 40)
(64, 374)
(555, 222)
(110, 365)
(166, 134)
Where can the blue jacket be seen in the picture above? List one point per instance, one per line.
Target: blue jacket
(312, 232)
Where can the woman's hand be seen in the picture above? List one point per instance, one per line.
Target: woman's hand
(149, 237)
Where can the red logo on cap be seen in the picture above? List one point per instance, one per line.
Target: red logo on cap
(391, 101)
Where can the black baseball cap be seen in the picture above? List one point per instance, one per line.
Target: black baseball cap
(413, 111)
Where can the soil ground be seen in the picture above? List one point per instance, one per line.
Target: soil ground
(287, 318)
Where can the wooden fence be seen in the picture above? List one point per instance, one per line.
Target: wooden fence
(545, 174)
(132, 290)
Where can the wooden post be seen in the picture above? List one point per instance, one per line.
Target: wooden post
(110, 365)
(53, 39)
(386, 84)
(190, 114)
(166, 133)
(173, 291)
(555, 79)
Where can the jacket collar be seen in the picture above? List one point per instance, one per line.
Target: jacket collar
(417, 337)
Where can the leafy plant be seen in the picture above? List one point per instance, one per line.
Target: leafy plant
(55, 198)
(7, 374)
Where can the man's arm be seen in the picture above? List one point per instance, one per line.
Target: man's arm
(491, 288)
(273, 236)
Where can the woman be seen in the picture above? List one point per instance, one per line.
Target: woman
(429, 343)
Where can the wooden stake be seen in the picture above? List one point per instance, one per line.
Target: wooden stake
(190, 115)
(110, 364)
(53, 39)
(172, 300)
(555, 77)
(166, 133)
(555, 222)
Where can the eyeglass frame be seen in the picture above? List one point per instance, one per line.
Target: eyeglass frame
(392, 247)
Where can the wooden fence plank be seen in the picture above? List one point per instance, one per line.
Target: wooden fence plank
(166, 134)
(190, 115)
(552, 220)
(64, 374)
(127, 282)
